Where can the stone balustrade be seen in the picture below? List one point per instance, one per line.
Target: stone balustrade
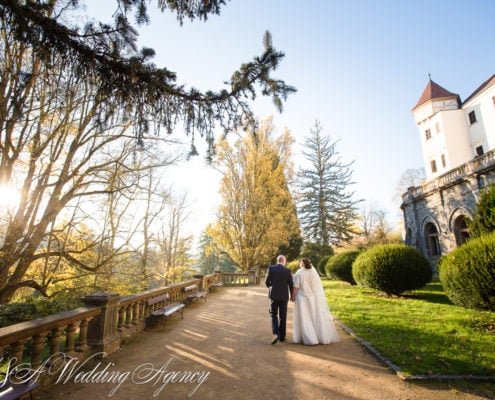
(106, 320)
(49, 331)
(462, 172)
(235, 279)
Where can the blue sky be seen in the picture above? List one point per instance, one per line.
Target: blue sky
(359, 66)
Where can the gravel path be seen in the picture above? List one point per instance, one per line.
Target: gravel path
(221, 350)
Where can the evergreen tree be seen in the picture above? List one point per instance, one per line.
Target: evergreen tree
(326, 209)
(257, 216)
(71, 99)
(484, 216)
(107, 54)
(211, 259)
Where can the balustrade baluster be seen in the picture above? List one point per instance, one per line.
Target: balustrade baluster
(54, 340)
(128, 316)
(121, 321)
(82, 343)
(70, 333)
(38, 342)
(17, 349)
(135, 312)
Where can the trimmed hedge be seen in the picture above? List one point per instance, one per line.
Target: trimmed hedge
(293, 265)
(322, 264)
(467, 274)
(392, 268)
(340, 266)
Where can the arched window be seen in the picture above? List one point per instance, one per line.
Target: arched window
(461, 230)
(431, 238)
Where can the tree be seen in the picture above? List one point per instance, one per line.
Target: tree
(373, 227)
(73, 99)
(484, 215)
(326, 210)
(107, 54)
(211, 258)
(411, 177)
(257, 214)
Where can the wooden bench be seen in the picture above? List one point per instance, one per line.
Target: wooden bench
(165, 308)
(193, 293)
(12, 391)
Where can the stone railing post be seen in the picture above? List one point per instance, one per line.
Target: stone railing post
(102, 330)
(252, 276)
(201, 285)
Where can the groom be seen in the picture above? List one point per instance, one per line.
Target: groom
(280, 284)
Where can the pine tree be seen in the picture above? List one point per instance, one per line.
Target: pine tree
(326, 209)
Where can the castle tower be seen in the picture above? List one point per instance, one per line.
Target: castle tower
(444, 134)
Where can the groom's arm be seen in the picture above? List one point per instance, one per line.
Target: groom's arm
(268, 279)
(290, 282)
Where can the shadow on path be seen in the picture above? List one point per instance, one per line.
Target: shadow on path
(222, 346)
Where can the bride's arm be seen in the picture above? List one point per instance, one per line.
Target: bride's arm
(294, 292)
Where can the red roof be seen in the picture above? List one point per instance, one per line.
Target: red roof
(434, 91)
(489, 82)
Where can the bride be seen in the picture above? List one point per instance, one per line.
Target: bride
(312, 321)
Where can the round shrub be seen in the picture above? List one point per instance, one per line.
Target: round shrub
(340, 266)
(322, 263)
(467, 274)
(293, 265)
(392, 268)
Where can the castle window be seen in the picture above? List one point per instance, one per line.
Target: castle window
(433, 165)
(472, 117)
(431, 238)
(437, 127)
(479, 151)
(428, 134)
(444, 162)
(461, 230)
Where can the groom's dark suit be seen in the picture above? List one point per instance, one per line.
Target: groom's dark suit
(279, 281)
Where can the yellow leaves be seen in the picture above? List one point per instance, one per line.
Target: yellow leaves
(257, 214)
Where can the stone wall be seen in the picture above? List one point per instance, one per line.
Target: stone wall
(442, 204)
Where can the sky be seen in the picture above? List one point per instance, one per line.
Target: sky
(359, 67)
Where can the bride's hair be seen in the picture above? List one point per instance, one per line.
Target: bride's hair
(306, 262)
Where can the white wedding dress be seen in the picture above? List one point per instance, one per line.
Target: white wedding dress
(312, 321)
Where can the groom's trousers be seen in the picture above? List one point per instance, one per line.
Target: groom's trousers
(278, 312)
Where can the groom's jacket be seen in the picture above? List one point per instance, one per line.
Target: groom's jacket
(279, 281)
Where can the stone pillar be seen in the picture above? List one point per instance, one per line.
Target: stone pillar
(201, 284)
(102, 330)
(252, 276)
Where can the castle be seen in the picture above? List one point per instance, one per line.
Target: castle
(458, 144)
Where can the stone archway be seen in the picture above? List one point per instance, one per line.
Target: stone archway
(458, 225)
(431, 238)
(432, 242)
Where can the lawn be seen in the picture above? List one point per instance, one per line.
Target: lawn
(422, 332)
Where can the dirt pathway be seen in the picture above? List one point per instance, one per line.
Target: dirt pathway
(224, 347)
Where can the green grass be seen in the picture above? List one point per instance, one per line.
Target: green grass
(422, 332)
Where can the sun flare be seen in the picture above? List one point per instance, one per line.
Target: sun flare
(9, 197)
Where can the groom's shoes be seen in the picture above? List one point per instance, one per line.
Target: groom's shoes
(274, 340)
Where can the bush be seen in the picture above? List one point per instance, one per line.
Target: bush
(467, 274)
(484, 216)
(33, 308)
(392, 268)
(322, 263)
(293, 265)
(315, 252)
(340, 266)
